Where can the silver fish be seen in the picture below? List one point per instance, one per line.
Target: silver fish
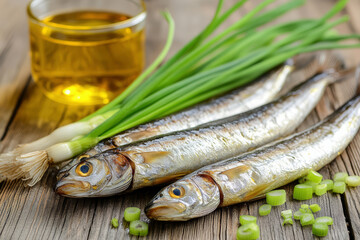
(263, 91)
(172, 156)
(253, 174)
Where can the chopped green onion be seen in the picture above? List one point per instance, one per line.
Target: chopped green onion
(320, 229)
(264, 209)
(249, 231)
(340, 177)
(246, 219)
(132, 214)
(312, 184)
(353, 181)
(115, 223)
(339, 187)
(303, 179)
(276, 197)
(329, 184)
(305, 210)
(314, 177)
(297, 215)
(307, 219)
(302, 192)
(288, 221)
(320, 189)
(138, 228)
(286, 213)
(315, 207)
(304, 206)
(326, 220)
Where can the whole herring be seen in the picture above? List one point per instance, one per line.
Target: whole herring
(253, 174)
(168, 157)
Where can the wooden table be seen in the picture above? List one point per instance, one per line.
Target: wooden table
(38, 213)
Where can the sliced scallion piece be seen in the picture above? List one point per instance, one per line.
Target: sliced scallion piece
(314, 177)
(320, 229)
(288, 221)
(339, 187)
(304, 206)
(307, 219)
(276, 197)
(305, 210)
(329, 184)
(249, 231)
(326, 220)
(264, 209)
(297, 215)
(320, 189)
(312, 184)
(246, 219)
(315, 208)
(353, 181)
(302, 192)
(138, 228)
(286, 213)
(132, 214)
(115, 222)
(340, 177)
(303, 179)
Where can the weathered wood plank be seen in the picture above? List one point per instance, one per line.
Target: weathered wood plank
(38, 213)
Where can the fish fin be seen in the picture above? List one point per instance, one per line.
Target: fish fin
(257, 192)
(337, 76)
(357, 80)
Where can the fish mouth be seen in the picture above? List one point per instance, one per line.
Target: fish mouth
(72, 189)
(165, 212)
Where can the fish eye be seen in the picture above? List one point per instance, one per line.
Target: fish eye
(84, 169)
(177, 192)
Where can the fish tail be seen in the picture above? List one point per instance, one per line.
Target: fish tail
(337, 76)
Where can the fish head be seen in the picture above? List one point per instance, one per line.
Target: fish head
(185, 199)
(101, 175)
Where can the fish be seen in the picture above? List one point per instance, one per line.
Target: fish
(172, 156)
(262, 91)
(251, 175)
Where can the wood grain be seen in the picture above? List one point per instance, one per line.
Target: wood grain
(38, 213)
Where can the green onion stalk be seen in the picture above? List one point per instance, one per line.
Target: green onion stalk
(205, 67)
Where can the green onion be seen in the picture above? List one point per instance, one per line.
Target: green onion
(138, 228)
(339, 187)
(314, 176)
(305, 210)
(326, 220)
(287, 221)
(132, 214)
(320, 229)
(353, 181)
(340, 177)
(297, 215)
(312, 184)
(315, 208)
(329, 184)
(246, 219)
(303, 179)
(307, 219)
(302, 192)
(286, 213)
(304, 206)
(249, 231)
(276, 197)
(320, 189)
(115, 223)
(264, 209)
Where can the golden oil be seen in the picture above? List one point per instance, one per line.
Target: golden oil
(83, 58)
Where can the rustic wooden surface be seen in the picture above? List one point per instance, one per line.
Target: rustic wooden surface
(25, 115)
